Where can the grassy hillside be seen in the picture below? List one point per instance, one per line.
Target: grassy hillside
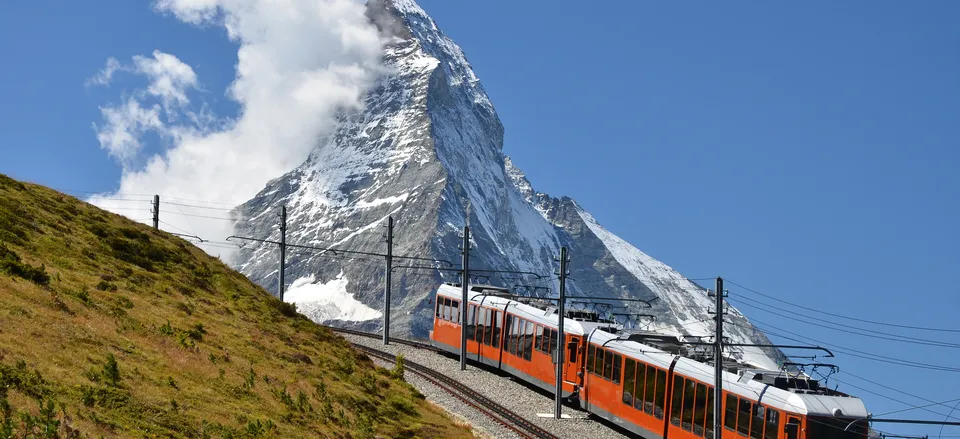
(109, 328)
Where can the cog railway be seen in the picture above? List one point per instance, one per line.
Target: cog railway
(646, 383)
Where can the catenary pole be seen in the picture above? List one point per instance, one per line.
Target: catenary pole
(561, 345)
(386, 282)
(463, 303)
(156, 212)
(283, 249)
(718, 363)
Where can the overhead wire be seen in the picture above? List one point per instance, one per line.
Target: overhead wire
(873, 322)
(854, 352)
(885, 336)
(197, 206)
(197, 216)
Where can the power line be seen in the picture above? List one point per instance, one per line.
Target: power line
(902, 339)
(197, 216)
(175, 227)
(848, 351)
(918, 407)
(897, 390)
(198, 207)
(919, 328)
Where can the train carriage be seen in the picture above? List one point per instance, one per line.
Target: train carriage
(652, 392)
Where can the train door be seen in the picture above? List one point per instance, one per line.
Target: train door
(792, 428)
(571, 368)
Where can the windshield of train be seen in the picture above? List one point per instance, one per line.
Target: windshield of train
(835, 428)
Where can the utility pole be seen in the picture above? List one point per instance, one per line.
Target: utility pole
(718, 363)
(156, 212)
(561, 345)
(387, 281)
(283, 248)
(463, 303)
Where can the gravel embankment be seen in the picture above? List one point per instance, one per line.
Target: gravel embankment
(507, 392)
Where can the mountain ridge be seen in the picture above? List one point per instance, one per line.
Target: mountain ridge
(427, 149)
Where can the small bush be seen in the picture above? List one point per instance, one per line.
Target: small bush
(285, 309)
(398, 368)
(111, 371)
(11, 264)
(106, 286)
(186, 309)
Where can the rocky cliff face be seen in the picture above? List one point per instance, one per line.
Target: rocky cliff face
(427, 150)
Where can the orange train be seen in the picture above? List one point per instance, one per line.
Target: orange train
(647, 387)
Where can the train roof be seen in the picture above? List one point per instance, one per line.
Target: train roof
(756, 384)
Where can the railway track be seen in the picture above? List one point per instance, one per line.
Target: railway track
(506, 417)
(416, 344)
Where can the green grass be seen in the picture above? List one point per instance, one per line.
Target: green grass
(109, 328)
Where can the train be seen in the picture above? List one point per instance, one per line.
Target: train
(644, 382)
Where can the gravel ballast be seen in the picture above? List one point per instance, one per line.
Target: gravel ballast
(502, 389)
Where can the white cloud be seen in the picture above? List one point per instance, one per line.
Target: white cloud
(106, 75)
(169, 77)
(300, 62)
(125, 123)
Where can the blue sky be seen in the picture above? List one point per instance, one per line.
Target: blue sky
(807, 152)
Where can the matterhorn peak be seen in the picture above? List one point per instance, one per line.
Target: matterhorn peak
(426, 150)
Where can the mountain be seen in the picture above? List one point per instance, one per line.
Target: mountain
(113, 329)
(427, 150)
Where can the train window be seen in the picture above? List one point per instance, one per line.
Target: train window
(641, 378)
(508, 334)
(591, 351)
(792, 429)
(471, 321)
(607, 365)
(756, 424)
(518, 336)
(617, 364)
(730, 416)
(528, 341)
(698, 408)
(743, 417)
(439, 307)
(521, 338)
(488, 329)
(676, 401)
(496, 329)
(661, 395)
(773, 424)
(541, 343)
(709, 429)
(651, 388)
(689, 397)
(455, 307)
(574, 348)
(481, 318)
(598, 362)
(553, 342)
(446, 309)
(629, 373)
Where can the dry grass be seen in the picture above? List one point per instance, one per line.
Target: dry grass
(200, 351)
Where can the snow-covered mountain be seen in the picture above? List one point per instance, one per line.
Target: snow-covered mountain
(427, 150)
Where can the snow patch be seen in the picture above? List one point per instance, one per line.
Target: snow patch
(322, 302)
(380, 201)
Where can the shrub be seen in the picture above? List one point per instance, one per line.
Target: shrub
(398, 368)
(111, 371)
(106, 286)
(11, 264)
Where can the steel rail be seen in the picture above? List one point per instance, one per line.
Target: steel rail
(487, 406)
(463, 392)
